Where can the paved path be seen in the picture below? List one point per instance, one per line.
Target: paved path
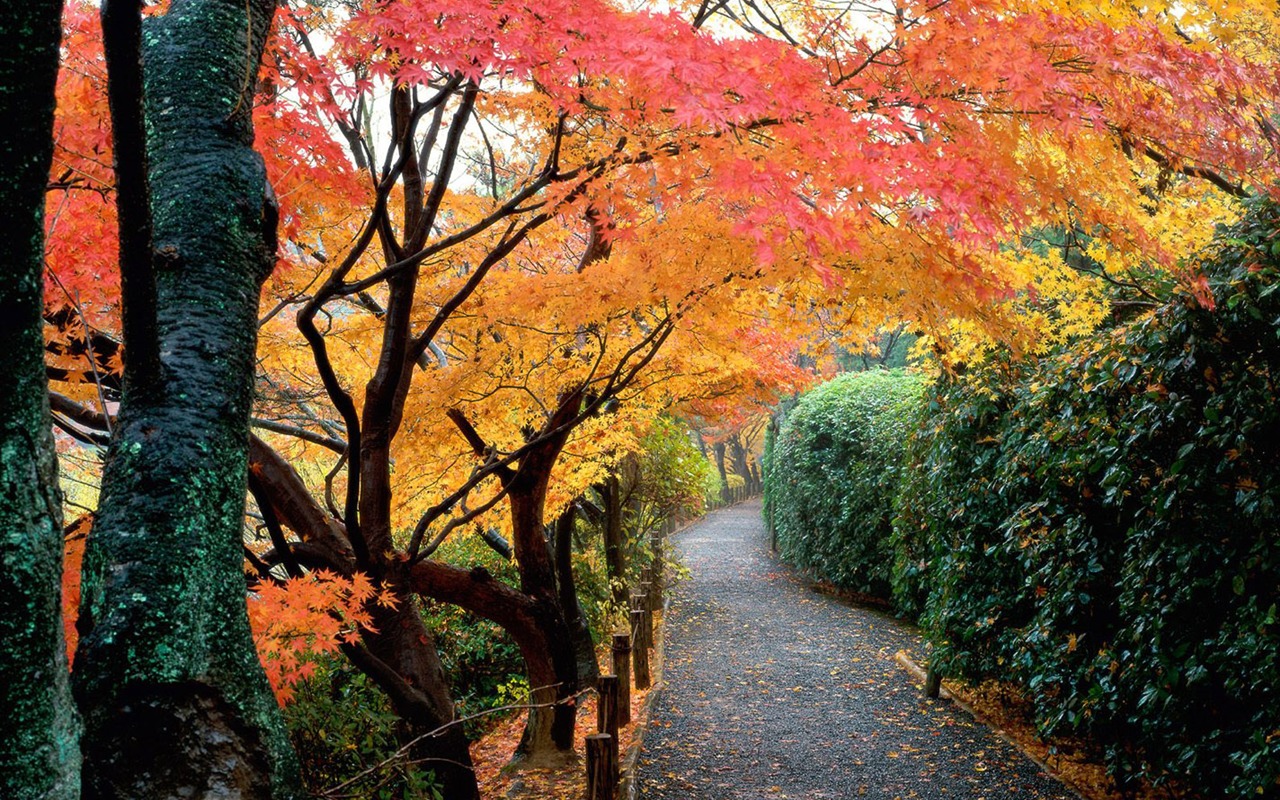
(774, 691)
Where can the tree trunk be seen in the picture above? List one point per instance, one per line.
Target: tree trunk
(583, 647)
(522, 617)
(740, 464)
(39, 752)
(615, 554)
(548, 732)
(175, 700)
(404, 643)
(553, 670)
(725, 496)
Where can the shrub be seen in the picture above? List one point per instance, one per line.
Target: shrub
(1101, 528)
(834, 469)
(342, 726)
(670, 477)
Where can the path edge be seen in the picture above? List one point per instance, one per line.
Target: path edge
(917, 673)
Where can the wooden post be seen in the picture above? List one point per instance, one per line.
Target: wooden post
(622, 668)
(607, 709)
(640, 653)
(932, 682)
(644, 634)
(602, 770)
(659, 575)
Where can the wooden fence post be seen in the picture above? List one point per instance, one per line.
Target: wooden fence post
(644, 636)
(932, 682)
(602, 771)
(658, 577)
(639, 653)
(607, 709)
(622, 668)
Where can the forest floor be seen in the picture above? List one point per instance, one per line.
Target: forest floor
(771, 690)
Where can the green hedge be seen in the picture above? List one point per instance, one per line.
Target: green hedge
(832, 472)
(1102, 528)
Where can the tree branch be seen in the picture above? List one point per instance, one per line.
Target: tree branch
(122, 45)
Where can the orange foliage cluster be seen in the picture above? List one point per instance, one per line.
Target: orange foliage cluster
(74, 537)
(304, 616)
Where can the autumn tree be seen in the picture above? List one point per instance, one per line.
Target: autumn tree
(557, 214)
(486, 273)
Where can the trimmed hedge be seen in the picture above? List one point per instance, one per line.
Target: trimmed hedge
(832, 472)
(1102, 528)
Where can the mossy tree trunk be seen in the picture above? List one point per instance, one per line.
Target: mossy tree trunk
(174, 699)
(39, 756)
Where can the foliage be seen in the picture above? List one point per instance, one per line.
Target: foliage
(766, 470)
(482, 660)
(712, 485)
(671, 476)
(343, 728)
(300, 617)
(667, 478)
(835, 470)
(1100, 528)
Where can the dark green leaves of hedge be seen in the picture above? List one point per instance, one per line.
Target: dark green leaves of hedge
(834, 468)
(1102, 528)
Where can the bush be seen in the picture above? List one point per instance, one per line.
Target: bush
(480, 658)
(1101, 528)
(834, 469)
(341, 726)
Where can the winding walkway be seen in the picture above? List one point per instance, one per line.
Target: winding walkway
(774, 691)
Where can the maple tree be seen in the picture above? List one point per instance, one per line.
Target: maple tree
(562, 267)
(574, 216)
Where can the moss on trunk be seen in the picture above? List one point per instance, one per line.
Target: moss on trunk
(174, 698)
(39, 757)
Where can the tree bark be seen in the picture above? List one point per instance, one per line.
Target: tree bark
(548, 732)
(583, 646)
(404, 643)
(175, 701)
(725, 495)
(740, 464)
(524, 618)
(615, 553)
(39, 753)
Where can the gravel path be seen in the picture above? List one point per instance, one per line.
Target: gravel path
(774, 691)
